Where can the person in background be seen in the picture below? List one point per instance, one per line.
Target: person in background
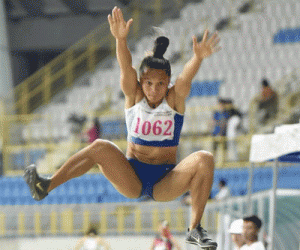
(267, 102)
(224, 191)
(164, 240)
(232, 131)
(91, 241)
(236, 230)
(95, 131)
(220, 118)
(251, 227)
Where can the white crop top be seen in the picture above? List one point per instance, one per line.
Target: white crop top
(159, 127)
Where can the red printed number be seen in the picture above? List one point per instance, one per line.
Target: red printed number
(156, 128)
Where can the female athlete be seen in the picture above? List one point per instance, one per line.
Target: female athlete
(154, 113)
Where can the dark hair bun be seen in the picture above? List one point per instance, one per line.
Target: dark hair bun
(161, 45)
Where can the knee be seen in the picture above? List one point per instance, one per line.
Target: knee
(99, 145)
(204, 159)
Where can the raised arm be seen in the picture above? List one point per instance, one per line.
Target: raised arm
(120, 29)
(201, 50)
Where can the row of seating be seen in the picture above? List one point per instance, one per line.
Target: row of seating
(95, 188)
(287, 36)
(237, 179)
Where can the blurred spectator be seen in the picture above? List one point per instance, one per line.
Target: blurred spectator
(251, 227)
(224, 191)
(220, 118)
(164, 240)
(77, 123)
(267, 103)
(95, 131)
(236, 230)
(234, 128)
(91, 241)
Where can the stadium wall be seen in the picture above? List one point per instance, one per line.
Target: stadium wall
(59, 243)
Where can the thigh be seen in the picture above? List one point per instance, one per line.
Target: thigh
(178, 181)
(116, 168)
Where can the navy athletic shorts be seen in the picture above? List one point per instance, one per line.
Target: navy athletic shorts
(149, 174)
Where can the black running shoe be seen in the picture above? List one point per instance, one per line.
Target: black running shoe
(198, 236)
(38, 186)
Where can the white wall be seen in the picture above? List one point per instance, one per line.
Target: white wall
(68, 243)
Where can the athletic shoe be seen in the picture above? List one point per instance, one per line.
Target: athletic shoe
(38, 186)
(198, 236)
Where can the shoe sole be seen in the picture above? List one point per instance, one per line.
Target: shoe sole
(30, 178)
(211, 247)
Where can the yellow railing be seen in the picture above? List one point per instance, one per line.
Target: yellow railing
(118, 219)
(80, 58)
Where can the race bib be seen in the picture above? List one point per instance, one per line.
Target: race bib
(153, 126)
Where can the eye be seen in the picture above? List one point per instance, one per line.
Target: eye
(148, 82)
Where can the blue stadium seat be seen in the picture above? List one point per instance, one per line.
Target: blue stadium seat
(287, 36)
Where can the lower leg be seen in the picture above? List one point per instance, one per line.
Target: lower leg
(200, 188)
(77, 165)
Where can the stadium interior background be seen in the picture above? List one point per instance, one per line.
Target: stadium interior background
(59, 71)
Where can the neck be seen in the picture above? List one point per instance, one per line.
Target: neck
(153, 105)
(251, 241)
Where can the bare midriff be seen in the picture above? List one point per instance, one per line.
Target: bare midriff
(152, 155)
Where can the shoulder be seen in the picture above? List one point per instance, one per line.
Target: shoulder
(259, 245)
(130, 101)
(176, 102)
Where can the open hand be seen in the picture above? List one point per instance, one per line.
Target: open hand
(207, 46)
(118, 27)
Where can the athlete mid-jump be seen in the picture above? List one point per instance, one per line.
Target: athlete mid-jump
(154, 113)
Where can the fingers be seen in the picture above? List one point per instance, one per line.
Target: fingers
(109, 19)
(128, 24)
(194, 40)
(114, 18)
(205, 36)
(120, 15)
(214, 39)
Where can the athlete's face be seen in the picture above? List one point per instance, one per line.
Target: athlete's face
(154, 83)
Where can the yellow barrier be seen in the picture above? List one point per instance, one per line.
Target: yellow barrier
(37, 223)
(155, 219)
(103, 222)
(53, 222)
(21, 223)
(120, 220)
(86, 221)
(67, 221)
(180, 223)
(2, 224)
(138, 220)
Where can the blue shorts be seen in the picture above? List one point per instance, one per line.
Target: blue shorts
(149, 174)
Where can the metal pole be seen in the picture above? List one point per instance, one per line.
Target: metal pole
(249, 194)
(273, 205)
